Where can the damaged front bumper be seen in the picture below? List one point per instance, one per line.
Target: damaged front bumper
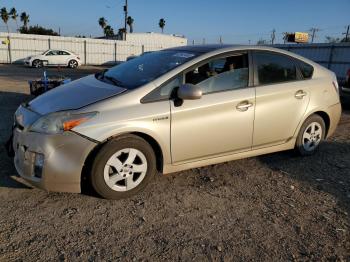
(51, 162)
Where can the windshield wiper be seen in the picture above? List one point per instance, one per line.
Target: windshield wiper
(114, 80)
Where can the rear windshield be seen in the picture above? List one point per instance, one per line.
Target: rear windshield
(147, 67)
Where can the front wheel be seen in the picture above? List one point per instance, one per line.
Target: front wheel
(37, 63)
(123, 167)
(311, 134)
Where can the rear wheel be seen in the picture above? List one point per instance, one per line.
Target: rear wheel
(123, 167)
(37, 63)
(311, 134)
(73, 63)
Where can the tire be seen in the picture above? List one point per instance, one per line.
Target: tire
(37, 63)
(117, 174)
(73, 63)
(311, 135)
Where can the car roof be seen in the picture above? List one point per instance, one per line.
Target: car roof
(220, 48)
(58, 49)
(202, 48)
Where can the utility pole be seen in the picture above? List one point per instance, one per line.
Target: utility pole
(273, 36)
(313, 31)
(347, 33)
(220, 40)
(126, 14)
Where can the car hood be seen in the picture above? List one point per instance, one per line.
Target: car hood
(74, 95)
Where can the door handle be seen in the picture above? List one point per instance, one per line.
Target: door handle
(300, 94)
(243, 106)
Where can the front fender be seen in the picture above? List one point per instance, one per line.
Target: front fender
(158, 130)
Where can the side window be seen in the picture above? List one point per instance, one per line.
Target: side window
(221, 74)
(53, 52)
(164, 91)
(274, 68)
(62, 53)
(305, 69)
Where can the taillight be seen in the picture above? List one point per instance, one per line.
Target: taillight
(348, 73)
(336, 87)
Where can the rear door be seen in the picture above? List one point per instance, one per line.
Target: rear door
(282, 97)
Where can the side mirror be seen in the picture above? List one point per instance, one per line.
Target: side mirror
(189, 92)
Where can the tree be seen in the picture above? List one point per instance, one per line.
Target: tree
(37, 30)
(108, 31)
(5, 17)
(162, 24)
(103, 23)
(24, 19)
(345, 40)
(130, 22)
(261, 42)
(121, 33)
(332, 40)
(13, 13)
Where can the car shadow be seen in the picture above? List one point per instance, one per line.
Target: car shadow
(328, 170)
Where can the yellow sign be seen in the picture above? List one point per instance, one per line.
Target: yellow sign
(301, 37)
(5, 42)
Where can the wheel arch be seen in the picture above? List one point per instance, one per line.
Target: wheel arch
(323, 114)
(326, 118)
(149, 139)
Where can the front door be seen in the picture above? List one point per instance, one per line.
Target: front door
(52, 57)
(221, 122)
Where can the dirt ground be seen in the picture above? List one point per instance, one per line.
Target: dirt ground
(277, 207)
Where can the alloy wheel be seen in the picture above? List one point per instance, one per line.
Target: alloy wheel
(73, 64)
(312, 136)
(125, 169)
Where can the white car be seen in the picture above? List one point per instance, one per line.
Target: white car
(54, 58)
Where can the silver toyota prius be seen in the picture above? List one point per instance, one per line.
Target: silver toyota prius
(172, 110)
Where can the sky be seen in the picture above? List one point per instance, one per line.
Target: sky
(240, 22)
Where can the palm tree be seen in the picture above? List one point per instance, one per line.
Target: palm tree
(5, 17)
(108, 31)
(13, 13)
(103, 23)
(162, 24)
(24, 19)
(130, 22)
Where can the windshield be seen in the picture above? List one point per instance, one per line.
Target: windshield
(145, 68)
(44, 52)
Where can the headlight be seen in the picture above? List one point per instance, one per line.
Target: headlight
(56, 123)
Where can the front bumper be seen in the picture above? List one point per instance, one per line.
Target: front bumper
(27, 63)
(64, 158)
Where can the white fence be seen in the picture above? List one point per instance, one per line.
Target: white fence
(15, 47)
(335, 57)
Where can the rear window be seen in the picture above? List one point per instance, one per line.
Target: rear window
(305, 69)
